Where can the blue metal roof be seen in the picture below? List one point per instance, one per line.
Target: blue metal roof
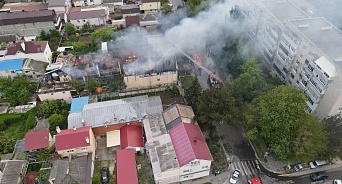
(78, 103)
(11, 64)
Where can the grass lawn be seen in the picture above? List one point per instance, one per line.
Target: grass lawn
(186, 81)
(97, 172)
(145, 173)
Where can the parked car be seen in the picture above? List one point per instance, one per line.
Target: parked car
(317, 163)
(318, 176)
(104, 175)
(298, 167)
(337, 182)
(235, 176)
(254, 181)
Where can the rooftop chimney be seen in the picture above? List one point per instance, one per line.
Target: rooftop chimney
(195, 140)
(74, 128)
(87, 140)
(58, 130)
(83, 122)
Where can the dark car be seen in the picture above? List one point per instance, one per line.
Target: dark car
(318, 176)
(104, 175)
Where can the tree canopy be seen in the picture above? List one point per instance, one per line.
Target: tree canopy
(91, 84)
(17, 90)
(103, 35)
(282, 122)
(51, 107)
(333, 126)
(193, 92)
(57, 120)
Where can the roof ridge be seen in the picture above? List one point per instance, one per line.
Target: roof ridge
(188, 138)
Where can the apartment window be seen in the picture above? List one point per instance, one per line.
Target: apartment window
(70, 151)
(205, 167)
(185, 171)
(326, 74)
(84, 149)
(292, 76)
(306, 62)
(195, 163)
(297, 82)
(311, 102)
(310, 68)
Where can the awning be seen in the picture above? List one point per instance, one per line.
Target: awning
(113, 138)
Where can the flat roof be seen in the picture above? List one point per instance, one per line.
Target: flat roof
(284, 10)
(323, 34)
(77, 104)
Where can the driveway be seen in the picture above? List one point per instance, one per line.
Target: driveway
(102, 152)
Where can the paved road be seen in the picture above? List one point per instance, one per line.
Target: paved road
(333, 174)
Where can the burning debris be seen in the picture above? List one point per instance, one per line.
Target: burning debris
(149, 66)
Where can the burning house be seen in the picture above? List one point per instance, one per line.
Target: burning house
(147, 73)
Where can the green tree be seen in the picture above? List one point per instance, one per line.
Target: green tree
(43, 35)
(194, 6)
(216, 104)
(103, 35)
(333, 126)
(55, 107)
(91, 84)
(78, 85)
(166, 9)
(251, 83)
(311, 140)
(87, 28)
(193, 92)
(57, 120)
(277, 115)
(70, 29)
(81, 48)
(18, 90)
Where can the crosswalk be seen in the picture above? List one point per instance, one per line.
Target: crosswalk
(247, 168)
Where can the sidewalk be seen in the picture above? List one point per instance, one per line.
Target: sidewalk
(337, 163)
(218, 179)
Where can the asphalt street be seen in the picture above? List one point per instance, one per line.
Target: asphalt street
(333, 174)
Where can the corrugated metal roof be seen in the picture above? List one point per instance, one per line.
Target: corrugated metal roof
(11, 64)
(126, 168)
(116, 111)
(77, 104)
(176, 114)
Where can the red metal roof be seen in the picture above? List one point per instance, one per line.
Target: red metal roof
(36, 140)
(68, 139)
(131, 136)
(255, 181)
(189, 143)
(126, 169)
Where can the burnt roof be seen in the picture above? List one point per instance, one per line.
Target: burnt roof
(9, 18)
(132, 20)
(87, 14)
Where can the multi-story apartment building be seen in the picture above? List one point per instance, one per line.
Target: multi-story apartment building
(302, 51)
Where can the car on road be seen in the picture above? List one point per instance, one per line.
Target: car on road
(318, 176)
(235, 176)
(254, 181)
(317, 163)
(337, 182)
(104, 175)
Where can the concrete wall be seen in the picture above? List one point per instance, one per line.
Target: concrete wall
(195, 169)
(150, 7)
(170, 176)
(60, 95)
(81, 150)
(140, 82)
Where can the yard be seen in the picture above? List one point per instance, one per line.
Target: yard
(186, 81)
(97, 172)
(145, 173)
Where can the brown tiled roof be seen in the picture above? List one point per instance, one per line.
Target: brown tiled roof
(130, 9)
(75, 9)
(27, 17)
(149, 1)
(58, 3)
(30, 47)
(32, 7)
(132, 20)
(87, 14)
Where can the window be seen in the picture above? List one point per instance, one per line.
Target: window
(83, 20)
(27, 71)
(185, 171)
(84, 149)
(78, 21)
(195, 163)
(292, 76)
(205, 167)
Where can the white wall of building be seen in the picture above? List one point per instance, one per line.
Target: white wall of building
(150, 7)
(141, 82)
(92, 21)
(87, 2)
(195, 169)
(170, 176)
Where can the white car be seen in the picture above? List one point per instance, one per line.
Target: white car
(337, 182)
(235, 176)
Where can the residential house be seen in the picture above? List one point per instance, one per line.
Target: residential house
(192, 151)
(13, 170)
(93, 17)
(73, 170)
(160, 150)
(36, 50)
(131, 137)
(126, 167)
(177, 114)
(75, 141)
(116, 3)
(147, 6)
(61, 7)
(29, 7)
(295, 53)
(8, 38)
(34, 70)
(130, 10)
(132, 21)
(28, 23)
(107, 116)
(55, 94)
(38, 140)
